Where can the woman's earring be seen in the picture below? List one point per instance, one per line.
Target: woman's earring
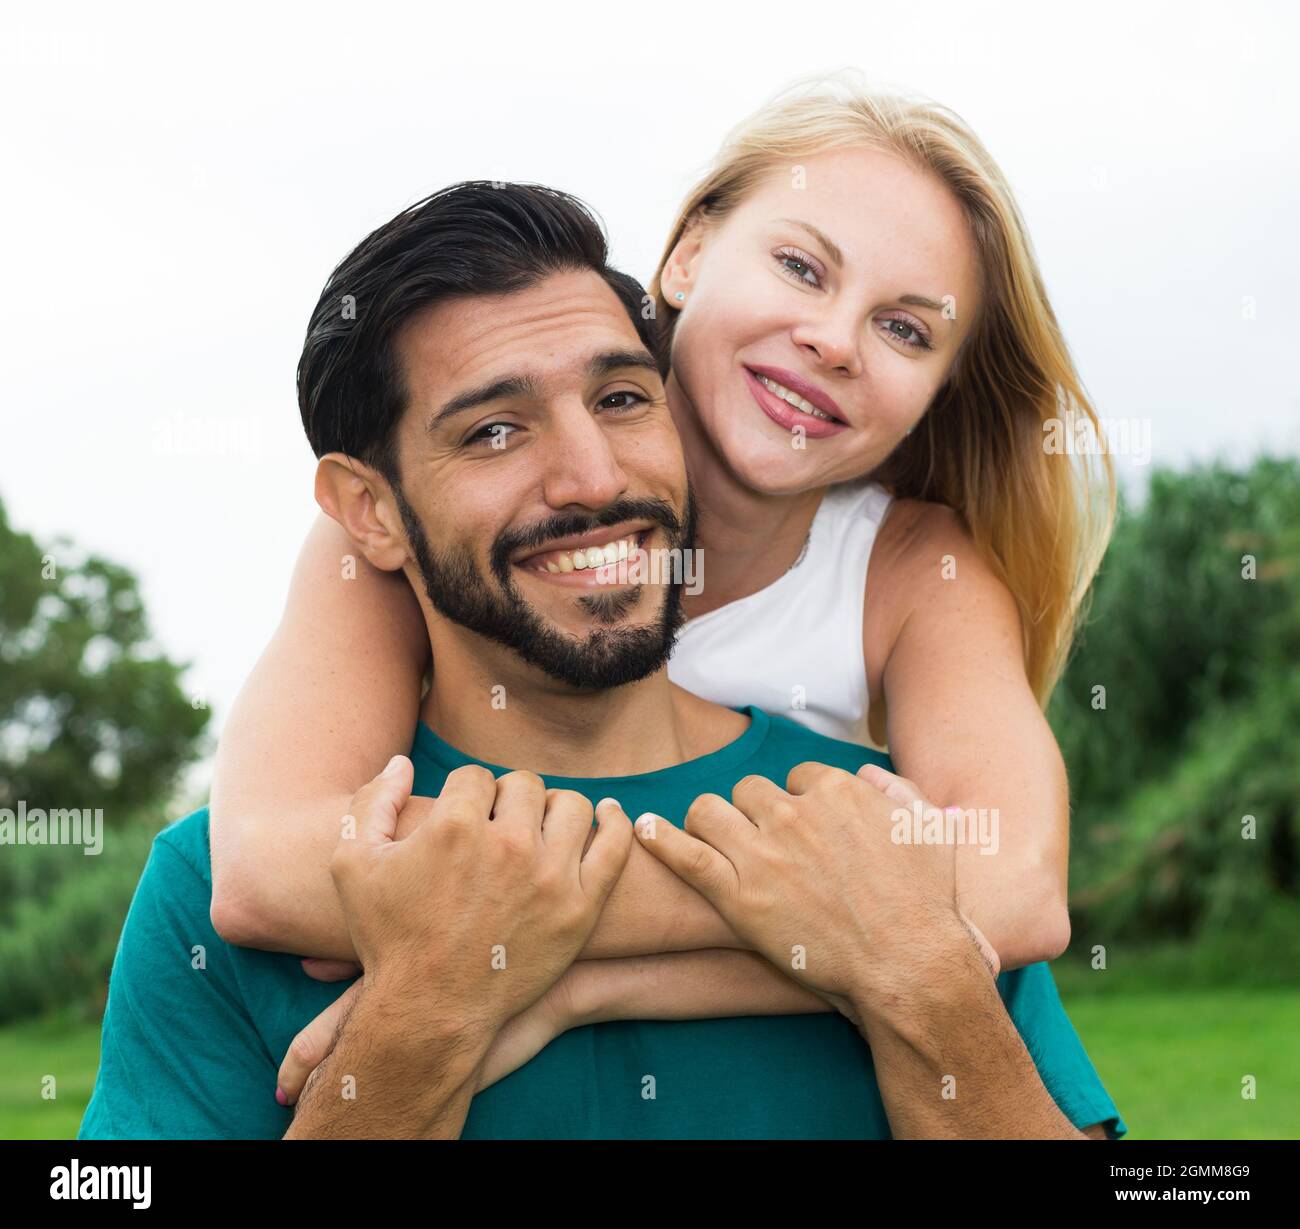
(680, 296)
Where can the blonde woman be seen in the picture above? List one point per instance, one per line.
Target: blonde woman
(860, 357)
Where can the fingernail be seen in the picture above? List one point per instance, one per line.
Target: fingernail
(280, 1097)
(615, 801)
(645, 825)
(393, 766)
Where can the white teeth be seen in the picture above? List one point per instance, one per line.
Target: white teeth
(799, 403)
(592, 556)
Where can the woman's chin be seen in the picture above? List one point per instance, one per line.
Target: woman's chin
(776, 468)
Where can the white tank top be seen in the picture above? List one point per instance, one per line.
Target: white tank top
(795, 648)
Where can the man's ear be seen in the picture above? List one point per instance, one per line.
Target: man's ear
(361, 500)
(680, 268)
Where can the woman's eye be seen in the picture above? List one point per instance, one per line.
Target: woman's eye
(908, 334)
(798, 268)
(625, 400)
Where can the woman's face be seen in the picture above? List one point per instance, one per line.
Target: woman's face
(845, 284)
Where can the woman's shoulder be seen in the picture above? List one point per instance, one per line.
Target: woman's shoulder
(918, 536)
(922, 549)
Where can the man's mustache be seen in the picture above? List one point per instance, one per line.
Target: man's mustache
(567, 524)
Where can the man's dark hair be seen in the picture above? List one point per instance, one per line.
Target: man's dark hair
(469, 239)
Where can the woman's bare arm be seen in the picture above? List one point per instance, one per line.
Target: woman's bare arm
(695, 985)
(335, 695)
(964, 725)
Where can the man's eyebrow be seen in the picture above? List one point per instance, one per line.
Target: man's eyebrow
(615, 360)
(496, 390)
(525, 386)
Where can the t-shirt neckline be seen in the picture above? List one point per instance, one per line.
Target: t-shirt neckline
(710, 766)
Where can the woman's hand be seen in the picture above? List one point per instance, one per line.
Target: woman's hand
(530, 1032)
(522, 1037)
(329, 970)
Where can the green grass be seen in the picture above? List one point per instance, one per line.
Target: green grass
(1172, 1061)
(65, 1047)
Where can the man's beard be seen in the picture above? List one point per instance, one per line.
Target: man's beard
(609, 656)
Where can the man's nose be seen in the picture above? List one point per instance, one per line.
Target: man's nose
(580, 465)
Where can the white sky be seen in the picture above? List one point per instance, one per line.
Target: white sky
(180, 183)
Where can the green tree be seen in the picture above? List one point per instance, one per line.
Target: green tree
(1194, 633)
(92, 716)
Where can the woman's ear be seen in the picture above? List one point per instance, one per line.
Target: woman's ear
(361, 501)
(680, 268)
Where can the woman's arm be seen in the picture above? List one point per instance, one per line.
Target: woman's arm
(335, 695)
(679, 986)
(943, 646)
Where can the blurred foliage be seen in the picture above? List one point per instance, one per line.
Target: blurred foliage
(89, 708)
(1201, 724)
(92, 716)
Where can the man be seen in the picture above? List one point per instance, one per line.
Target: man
(491, 408)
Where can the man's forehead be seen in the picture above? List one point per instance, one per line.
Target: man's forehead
(550, 329)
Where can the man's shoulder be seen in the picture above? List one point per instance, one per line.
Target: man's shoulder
(187, 839)
(788, 740)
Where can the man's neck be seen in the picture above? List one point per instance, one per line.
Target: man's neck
(492, 706)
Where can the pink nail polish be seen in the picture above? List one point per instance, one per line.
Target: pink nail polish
(280, 1097)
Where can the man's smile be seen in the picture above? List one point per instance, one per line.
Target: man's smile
(591, 559)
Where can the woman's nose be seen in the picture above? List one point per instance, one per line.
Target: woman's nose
(833, 339)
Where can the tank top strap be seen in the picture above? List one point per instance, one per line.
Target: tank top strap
(795, 647)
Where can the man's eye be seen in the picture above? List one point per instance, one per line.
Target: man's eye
(490, 433)
(625, 400)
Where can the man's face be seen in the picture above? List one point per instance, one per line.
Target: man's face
(536, 429)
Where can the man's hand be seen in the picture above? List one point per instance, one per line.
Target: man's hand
(811, 877)
(486, 903)
(460, 927)
(520, 1040)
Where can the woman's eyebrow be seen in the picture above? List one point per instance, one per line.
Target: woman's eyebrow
(919, 300)
(837, 257)
(832, 248)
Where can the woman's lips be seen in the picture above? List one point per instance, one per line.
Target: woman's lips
(786, 416)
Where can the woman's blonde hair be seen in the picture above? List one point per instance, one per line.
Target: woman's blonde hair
(1040, 518)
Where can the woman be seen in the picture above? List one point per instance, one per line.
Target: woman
(860, 358)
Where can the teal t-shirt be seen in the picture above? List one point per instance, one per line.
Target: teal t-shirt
(195, 1029)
